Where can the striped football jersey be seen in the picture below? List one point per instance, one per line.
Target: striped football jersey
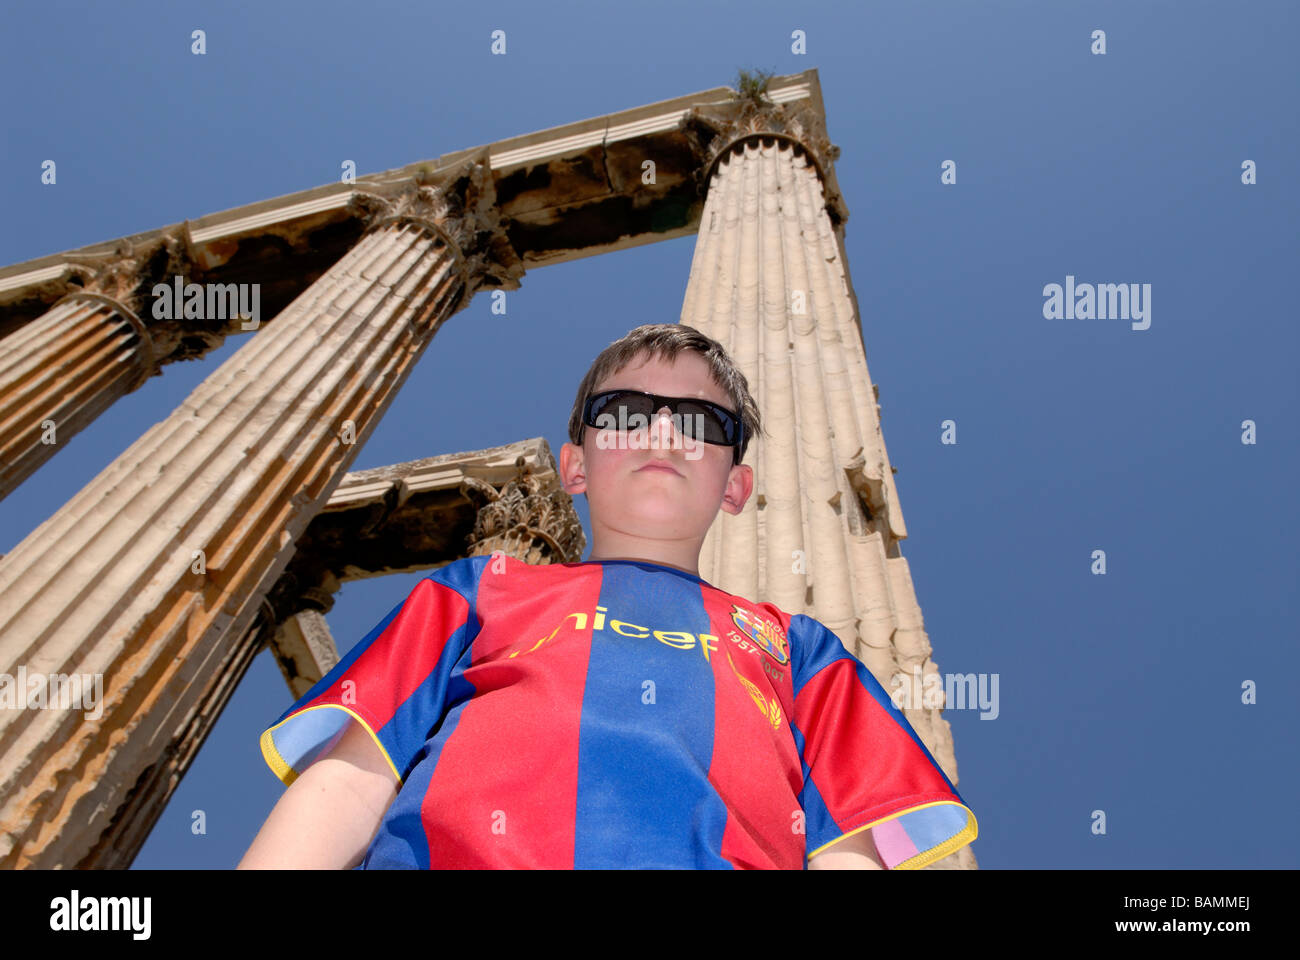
(620, 714)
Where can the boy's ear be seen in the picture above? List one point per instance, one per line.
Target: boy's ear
(740, 484)
(573, 476)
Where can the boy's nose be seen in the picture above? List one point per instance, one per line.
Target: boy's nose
(669, 432)
(663, 415)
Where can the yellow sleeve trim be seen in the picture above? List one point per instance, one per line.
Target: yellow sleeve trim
(926, 857)
(286, 773)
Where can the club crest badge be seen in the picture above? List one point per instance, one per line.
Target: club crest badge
(765, 634)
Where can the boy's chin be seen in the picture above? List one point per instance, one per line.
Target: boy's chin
(656, 518)
(655, 521)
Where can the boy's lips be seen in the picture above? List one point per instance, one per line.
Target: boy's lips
(659, 465)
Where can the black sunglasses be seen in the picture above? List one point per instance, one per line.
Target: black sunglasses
(716, 424)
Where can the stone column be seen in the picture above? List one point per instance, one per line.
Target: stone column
(152, 574)
(65, 368)
(770, 282)
(304, 643)
(528, 517)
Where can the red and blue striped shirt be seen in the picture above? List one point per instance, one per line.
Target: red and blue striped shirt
(620, 714)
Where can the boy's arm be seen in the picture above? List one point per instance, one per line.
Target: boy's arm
(857, 852)
(862, 759)
(328, 816)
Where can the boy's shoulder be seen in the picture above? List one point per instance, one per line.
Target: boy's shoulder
(503, 563)
(466, 572)
(782, 635)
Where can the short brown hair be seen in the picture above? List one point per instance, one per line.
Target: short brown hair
(667, 340)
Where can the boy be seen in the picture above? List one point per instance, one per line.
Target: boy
(618, 712)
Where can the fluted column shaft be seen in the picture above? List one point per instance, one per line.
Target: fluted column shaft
(115, 584)
(768, 281)
(62, 370)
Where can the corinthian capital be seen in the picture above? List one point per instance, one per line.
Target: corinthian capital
(717, 128)
(127, 274)
(458, 204)
(528, 518)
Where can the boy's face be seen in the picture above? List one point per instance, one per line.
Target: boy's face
(630, 504)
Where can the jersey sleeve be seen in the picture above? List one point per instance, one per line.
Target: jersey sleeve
(396, 682)
(864, 766)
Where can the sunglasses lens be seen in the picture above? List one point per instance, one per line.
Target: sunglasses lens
(716, 427)
(620, 408)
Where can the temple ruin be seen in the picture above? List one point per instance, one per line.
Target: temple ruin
(228, 525)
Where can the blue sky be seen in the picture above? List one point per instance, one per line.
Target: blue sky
(1120, 692)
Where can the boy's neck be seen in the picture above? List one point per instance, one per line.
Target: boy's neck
(676, 561)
